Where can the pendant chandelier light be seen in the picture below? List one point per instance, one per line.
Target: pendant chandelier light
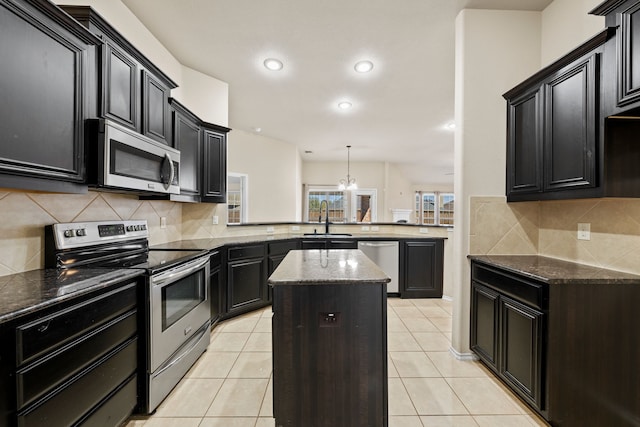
(349, 183)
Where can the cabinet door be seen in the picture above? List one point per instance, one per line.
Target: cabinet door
(246, 284)
(120, 87)
(187, 139)
(215, 167)
(43, 92)
(521, 349)
(570, 127)
(484, 323)
(629, 56)
(422, 270)
(524, 144)
(155, 109)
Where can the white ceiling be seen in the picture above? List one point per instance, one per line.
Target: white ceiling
(400, 109)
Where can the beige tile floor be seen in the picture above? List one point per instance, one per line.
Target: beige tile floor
(230, 385)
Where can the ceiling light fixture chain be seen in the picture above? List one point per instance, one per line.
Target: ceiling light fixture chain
(349, 183)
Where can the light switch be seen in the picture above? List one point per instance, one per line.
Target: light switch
(163, 222)
(584, 231)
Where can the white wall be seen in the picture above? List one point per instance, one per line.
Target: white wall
(566, 24)
(495, 50)
(274, 175)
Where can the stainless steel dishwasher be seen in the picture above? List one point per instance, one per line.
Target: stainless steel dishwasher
(386, 256)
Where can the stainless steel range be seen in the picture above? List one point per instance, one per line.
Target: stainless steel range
(176, 292)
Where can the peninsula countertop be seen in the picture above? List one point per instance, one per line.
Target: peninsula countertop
(327, 267)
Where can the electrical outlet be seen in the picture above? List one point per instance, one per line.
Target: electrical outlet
(269, 229)
(584, 231)
(424, 231)
(214, 220)
(365, 228)
(295, 228)
(375, 228)
(163, 222)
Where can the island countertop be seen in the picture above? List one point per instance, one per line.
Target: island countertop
(327, 267)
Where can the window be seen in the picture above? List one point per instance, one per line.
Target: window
(434, 208)
(344, 206)
(236, 198)
(336, 205)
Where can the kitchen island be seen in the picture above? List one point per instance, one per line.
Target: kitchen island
(329, 340)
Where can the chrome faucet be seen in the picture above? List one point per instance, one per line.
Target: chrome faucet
(326, 219)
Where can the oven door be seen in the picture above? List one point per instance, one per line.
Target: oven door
(179, 307)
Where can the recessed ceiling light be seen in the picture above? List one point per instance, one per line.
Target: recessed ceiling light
(344, 105)
(363, 66)
(451, 125)
(257, 129)
(273, 64)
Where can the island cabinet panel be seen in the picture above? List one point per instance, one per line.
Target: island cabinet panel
(330, 355)
(48, 62)
(421, 271)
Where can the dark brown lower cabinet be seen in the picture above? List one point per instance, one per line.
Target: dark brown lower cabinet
(568, 348)
(74, 363)
(330, 373)
(421, 269)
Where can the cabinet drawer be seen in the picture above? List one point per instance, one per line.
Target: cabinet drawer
(115, 410)
(241, 252)
(216, 259)
(342, 244)
(69, 403)
(40, 377)
(529, 292)
(59, 328)
(314, 244)
(279, 248)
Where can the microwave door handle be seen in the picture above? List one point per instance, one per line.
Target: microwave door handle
(167, 161)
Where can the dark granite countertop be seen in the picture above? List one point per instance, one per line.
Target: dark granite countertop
(555, 271)
(218, 242)
(327, 267)
(23, 293)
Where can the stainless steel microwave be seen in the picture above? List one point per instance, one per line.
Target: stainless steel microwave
(119, 158)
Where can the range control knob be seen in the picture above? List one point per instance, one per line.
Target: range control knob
(81, 232)
(129, 227)
(68, 233)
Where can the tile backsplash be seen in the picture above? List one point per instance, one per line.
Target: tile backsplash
(24, 215)
(550, 228)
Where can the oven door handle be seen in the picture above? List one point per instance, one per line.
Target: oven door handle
(179, 273)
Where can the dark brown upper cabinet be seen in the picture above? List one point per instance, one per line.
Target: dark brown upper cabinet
(132, 90)
(46, 73)
(624, 16)
(203, 157)
(553, 128)
(215, 163)
(187, 137)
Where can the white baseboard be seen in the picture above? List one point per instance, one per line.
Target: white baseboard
(463, 356)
